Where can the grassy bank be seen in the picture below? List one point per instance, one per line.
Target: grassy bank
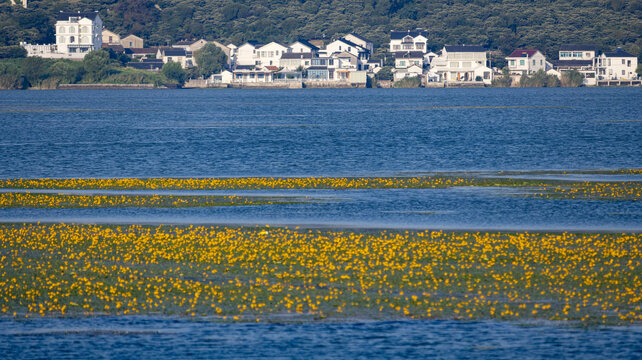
(250, 274)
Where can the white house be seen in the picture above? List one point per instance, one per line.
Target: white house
(577, 52)
(77, 33)
(246, 53)
(361, 41)
(343, 45)
(269, 54)
(461, 63)
(616, 65)
(405, 59)
(302, 46)
(411, 40)
(178, 55)
(295, 60)
(413, 70)
(526, 61)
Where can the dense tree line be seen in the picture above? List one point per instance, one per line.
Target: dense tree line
(502, 25)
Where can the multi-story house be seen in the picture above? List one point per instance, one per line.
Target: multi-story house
(270, 54)
(302, 46)
(580, 58)
(343, 45)
(411, 40)
(460, 63)
(405, 59)
(361, 41)
(77, 33)
(178, 55)
(294, 61)
(616, 65)
(246, 53)
(526, 61)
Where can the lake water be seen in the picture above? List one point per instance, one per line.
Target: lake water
(351, 132)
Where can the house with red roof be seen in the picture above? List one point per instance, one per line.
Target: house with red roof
(526, 61)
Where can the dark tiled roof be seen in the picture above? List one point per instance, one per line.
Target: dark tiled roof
(307, 43)
(65, 15)
(296, 56)
(618, 53)
(318, 68)
(572, 63)
(244, 67)
(174, 52)
(397, 35)
(141, 50)
(152, 60)
(523, 53)
(253, 43)
(145, 65)
(465, 48)
(348, 42)
(578, 47)
(409, 55)
(272, 68)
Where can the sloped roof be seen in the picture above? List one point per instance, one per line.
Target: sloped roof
(465, 48)
(409, 55)
(619, 53)
(359, 37)
(317, 68)
(396, 35)
(174, 52)
(65, 15)
(141, 50)
(523, 53)
(578, 47)
(307, 43)
(296, 56)
(272, 68)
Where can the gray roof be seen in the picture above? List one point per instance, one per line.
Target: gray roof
(619, 53)
(296, 56)
(65, 15)
(572, 63)
(465, 48)
(318, 68)
(409, 55)
(141, 50)
(396, 35)
(578, 47)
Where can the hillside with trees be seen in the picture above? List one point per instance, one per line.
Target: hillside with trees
(502, 25)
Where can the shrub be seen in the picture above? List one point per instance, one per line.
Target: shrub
(12, 52)
(174, 72)
(572, 78)
(503, 81)
(408, 82)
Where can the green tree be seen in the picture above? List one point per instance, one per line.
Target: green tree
(210, 59)
(10, 52)
(572, 78)
(34, 69)
(173, 71)
(96, 64)
(66, 71)
(385, 73)
(503, 81)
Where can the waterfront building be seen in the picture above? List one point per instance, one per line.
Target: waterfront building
(77, 33)
(461, 63)
(411, 40)
(526, 62)
(616, 65)
(269, 54)
(361, 41)
(245, 54)
(178, 55)
(302, 46)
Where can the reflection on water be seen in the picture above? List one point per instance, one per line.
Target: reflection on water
(458, 208)
(181, 338)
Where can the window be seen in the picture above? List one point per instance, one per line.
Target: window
(486, 75)
(541, 62)
(623, 72)
(419, 46)
(628, 63)
(534, 62)
(72, 39)
(110, 39)
(72, 29)
(402, 63)
(512, 63)
(396, 47)
(521, 63)
(407, 46)
(131, 43)
(588, 55)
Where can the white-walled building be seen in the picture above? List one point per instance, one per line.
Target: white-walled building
(178, 55)
(461, 63)
(361, 41)
(406, 59)
(343, 45)
(77, 33)
(411, 40)
(526, 61)
(269, 54)
(302, 46)
(110, 38)
(294, 60)
(577, 52)
(246, 53)
(616, 65)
